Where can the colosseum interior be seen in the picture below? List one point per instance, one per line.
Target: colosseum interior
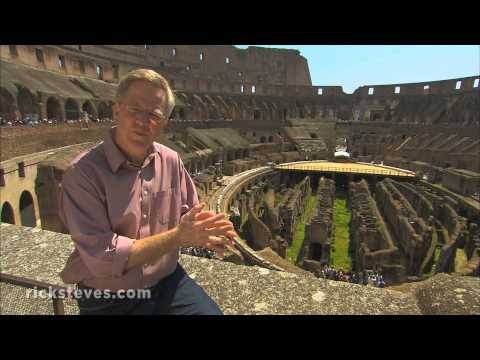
(383, 180)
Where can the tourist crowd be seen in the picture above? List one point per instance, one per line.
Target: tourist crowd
(200, 252)
(363, 278)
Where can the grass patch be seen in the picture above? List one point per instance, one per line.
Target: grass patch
(299, 235)
(461, 260)
(436, 253)
(341, 216)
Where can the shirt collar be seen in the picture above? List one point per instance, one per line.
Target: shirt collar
(114, 155)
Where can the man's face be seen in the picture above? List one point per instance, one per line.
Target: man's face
(139, 116)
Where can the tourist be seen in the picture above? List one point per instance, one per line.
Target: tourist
(365, 278)
(129, 205)
(380, 282)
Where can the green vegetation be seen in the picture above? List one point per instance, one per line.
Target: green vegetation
(299, 235)
(461, 260)
(340, 258)
(436, 254)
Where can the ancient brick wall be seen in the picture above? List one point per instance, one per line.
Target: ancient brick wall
(319, 228)
(371, 243)
(411, 233)
(292, 207)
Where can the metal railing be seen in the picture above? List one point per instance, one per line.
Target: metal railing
(58, 305)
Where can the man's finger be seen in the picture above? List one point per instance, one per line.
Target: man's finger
(223, 230)
(220, 223)
(204, 215)
(208, 222)
(215, 241)
(190, 216)
(232, 234)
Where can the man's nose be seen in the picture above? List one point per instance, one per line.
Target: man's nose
(142, 122)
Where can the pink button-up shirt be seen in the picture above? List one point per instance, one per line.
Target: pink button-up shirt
(107, 203)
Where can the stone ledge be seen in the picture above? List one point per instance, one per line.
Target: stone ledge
(40, 255)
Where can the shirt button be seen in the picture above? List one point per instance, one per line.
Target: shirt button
(144, 216)
(145, 193)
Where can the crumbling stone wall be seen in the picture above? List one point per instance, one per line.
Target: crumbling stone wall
(319, 229)
(292, 207)
(412, 235)
(371, 243)
(455, 238)
(419, 202)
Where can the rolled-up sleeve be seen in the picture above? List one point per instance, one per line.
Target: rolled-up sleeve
(83, 211)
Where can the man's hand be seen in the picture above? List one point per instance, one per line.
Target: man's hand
(205, 229)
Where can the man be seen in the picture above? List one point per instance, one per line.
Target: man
(129, 205)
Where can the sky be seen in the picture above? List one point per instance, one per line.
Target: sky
(352, 66)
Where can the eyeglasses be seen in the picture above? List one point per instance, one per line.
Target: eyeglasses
(155, 115)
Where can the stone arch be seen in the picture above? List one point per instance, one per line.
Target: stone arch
(72, 110)
(194, 166)
(213, 113)
(7, 104)
(203, 164)
(54, 109)
(257, 114)
(238, 154)
(27, 210)
(182, 113)
(90, 109)
(233, 107)
(27, 104)
(201, 108)
(224, 108)
(242, 110)
(104, 111)
(8, 216)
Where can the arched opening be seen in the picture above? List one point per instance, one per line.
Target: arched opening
(270, 138)
(54, 110)
(181, 113)
(104, 111)
(316, 251)
(213, 114)
(26, 103)
(27, 211)
(90, 109)
(7, 214)
(7, 106)
(257, 115)
(262, 139)
(71, 110)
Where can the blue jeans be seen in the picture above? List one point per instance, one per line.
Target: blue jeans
(177, 294)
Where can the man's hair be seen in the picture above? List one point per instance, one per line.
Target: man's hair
(151, 77)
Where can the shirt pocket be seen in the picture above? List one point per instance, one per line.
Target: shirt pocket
(168, 208)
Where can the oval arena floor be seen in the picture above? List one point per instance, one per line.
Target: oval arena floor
(346, 168)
